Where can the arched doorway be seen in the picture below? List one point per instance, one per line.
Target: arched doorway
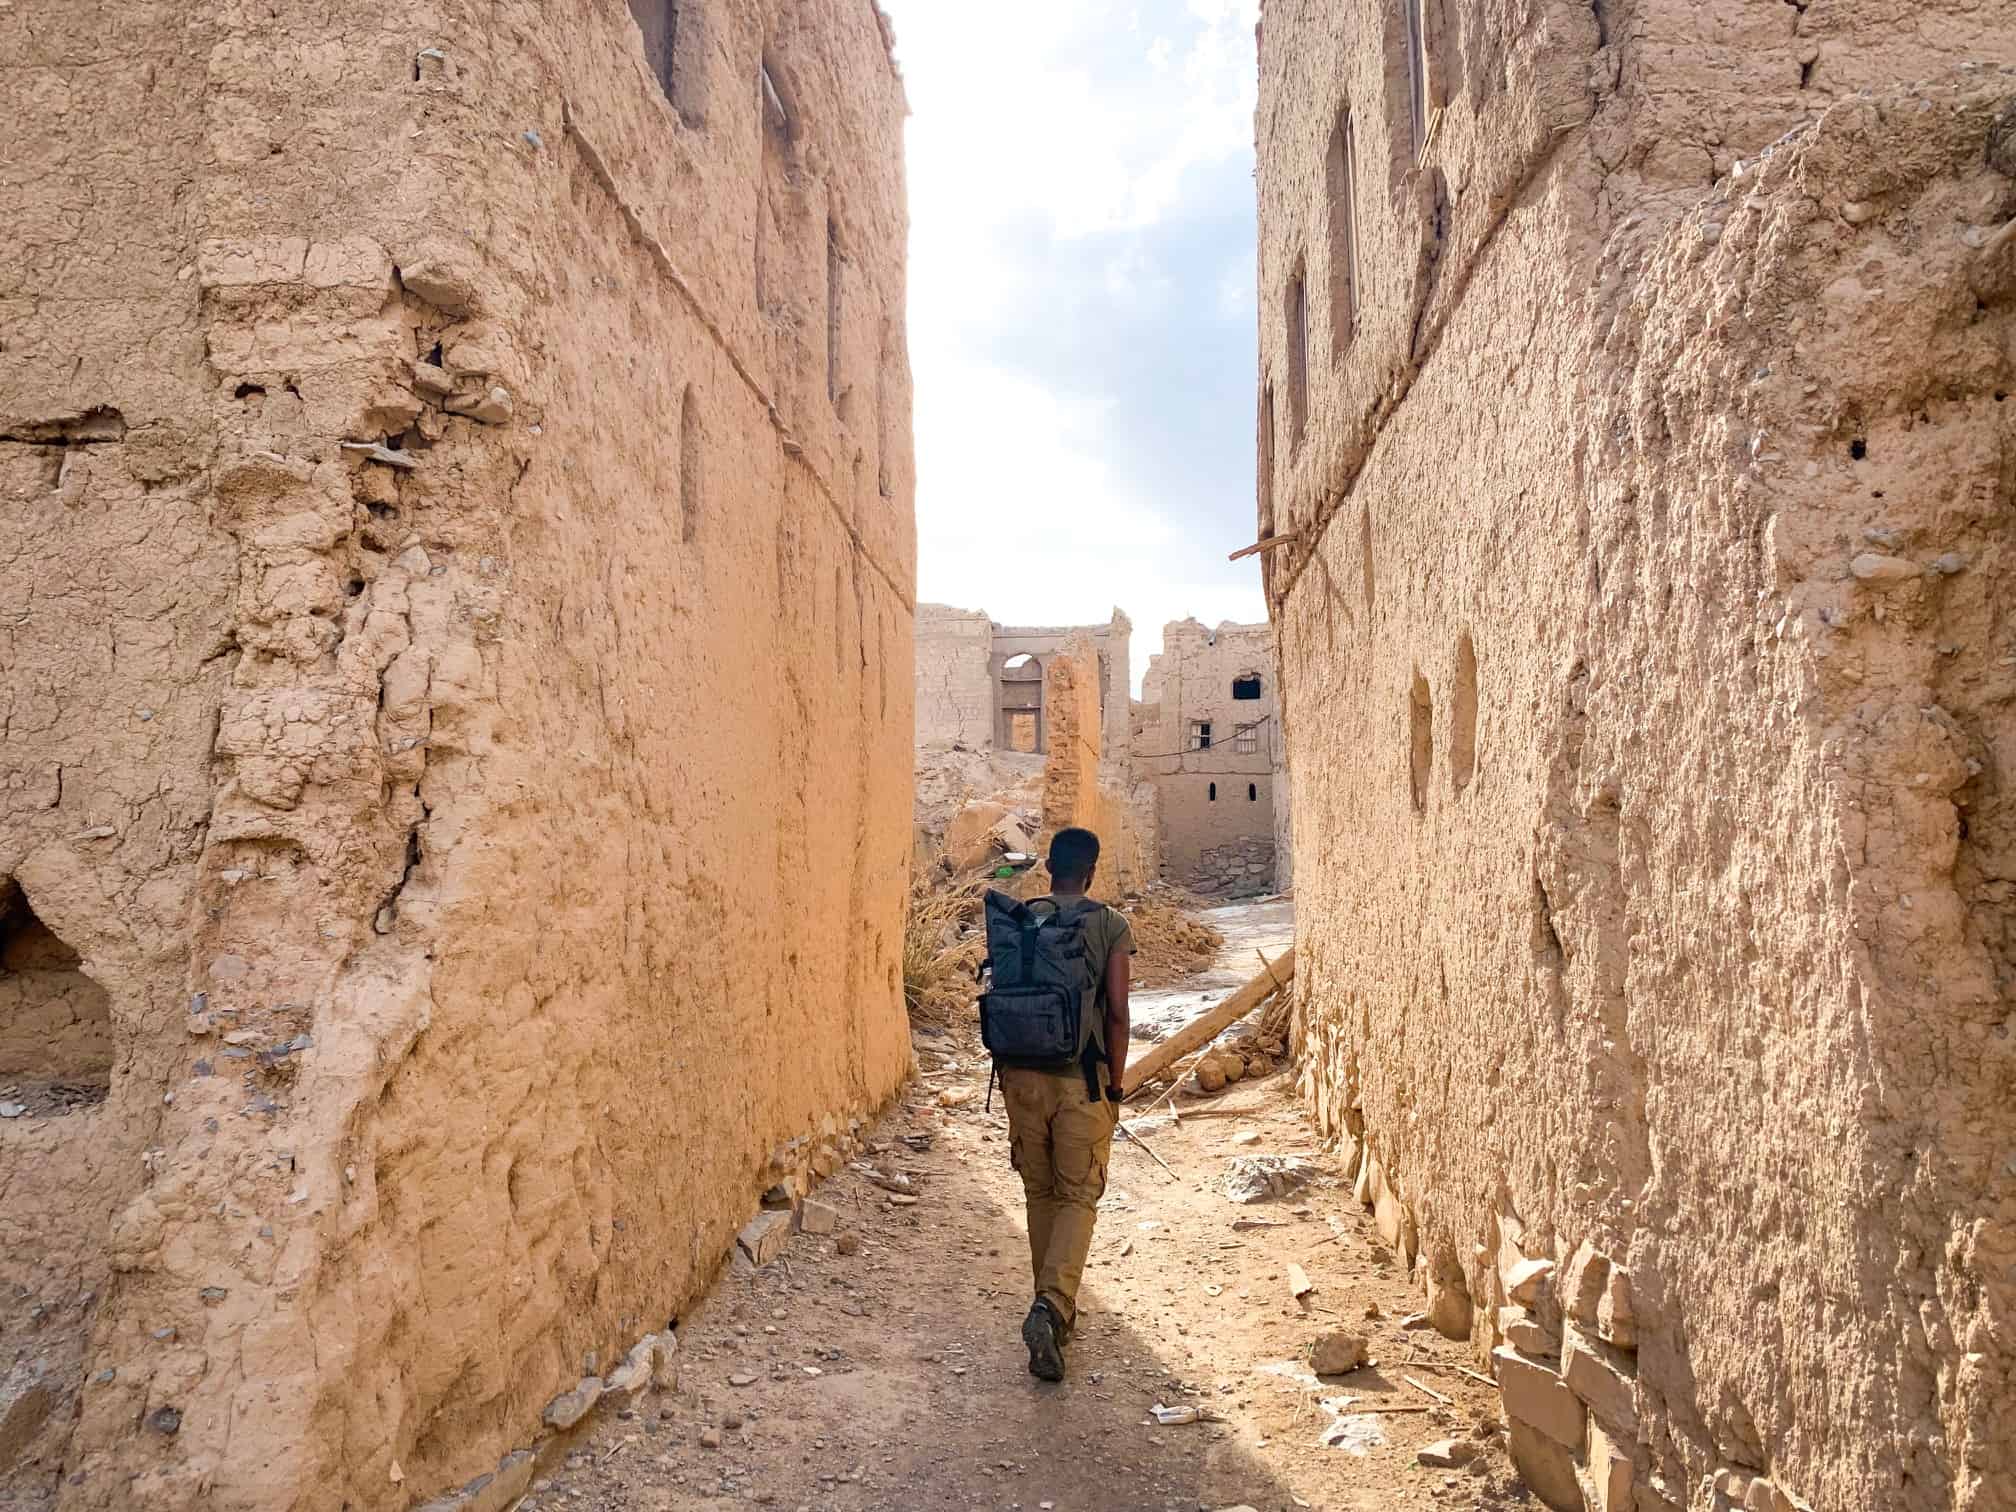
(1021, 704)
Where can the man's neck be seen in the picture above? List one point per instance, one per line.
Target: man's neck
(1067, 892)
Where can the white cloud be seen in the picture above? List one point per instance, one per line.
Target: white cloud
(1099, 125)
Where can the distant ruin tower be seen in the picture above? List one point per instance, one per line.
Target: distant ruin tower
(1634, 395)
(456, 581)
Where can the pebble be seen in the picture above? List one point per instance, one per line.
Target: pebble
(710, 1438)
(741, 1378)
(1447, 1453)
(847, 1243)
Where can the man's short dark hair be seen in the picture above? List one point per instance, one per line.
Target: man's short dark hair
(1073, 854)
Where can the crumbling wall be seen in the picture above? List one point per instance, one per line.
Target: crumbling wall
(1110, 647)
(1647, 690)
(1079, 787)
(955, 688)
(428, 517)
(1216, 804)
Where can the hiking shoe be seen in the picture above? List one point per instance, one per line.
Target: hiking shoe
(1040, 1331)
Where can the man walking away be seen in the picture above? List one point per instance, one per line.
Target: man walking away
(1061, 1118)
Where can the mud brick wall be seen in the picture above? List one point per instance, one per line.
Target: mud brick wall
(1647, 670)
(1079, 786)
(1218, 806)
(456, 683)
(956, 697)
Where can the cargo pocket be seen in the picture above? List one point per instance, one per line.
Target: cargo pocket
(1081, 1170)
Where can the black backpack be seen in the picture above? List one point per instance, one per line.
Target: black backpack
(1040, 1008)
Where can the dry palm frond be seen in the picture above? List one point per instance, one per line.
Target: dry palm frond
(943, 944)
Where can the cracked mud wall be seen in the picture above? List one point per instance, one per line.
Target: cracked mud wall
(1647, 683)
(424, 530)
(955, 687)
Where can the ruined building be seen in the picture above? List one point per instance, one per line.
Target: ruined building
(981, 685)
(1206, 734)
(1633, 406)
(455, 682)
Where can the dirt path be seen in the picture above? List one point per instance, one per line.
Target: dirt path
(894, 1376)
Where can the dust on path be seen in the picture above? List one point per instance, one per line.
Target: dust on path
(895, 1377)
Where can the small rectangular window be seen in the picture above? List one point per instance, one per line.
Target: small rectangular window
(1200, 735)
(1298, 351)
(1266, 461)
(673, 49)
(776, 110)
(1247, 740)
(1341, 173)
(1417, 72)
(835, 269)
(689, 469)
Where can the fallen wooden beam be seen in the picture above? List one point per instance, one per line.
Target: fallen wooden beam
(1267, 545)
(1207, 1027)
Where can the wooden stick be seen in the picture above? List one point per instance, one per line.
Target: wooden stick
(1429, 1391)
(1150, 1153)
(1267, 545)
(1208, 1026)
(1268, 967)
(1428, 139)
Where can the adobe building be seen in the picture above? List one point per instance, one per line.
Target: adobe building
(445, 459)
(1206, 734)
(982, 685)
(1633, 421)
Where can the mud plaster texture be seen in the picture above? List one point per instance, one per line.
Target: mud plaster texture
(1219, 806)
(455, 689)
(1080, 786)
(1647, 670)
(969, 696)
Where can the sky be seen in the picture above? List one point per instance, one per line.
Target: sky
(1082, 307)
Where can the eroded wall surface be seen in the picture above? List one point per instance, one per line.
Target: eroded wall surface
(1080, 787)
(955, 688)
(447, 452)
(1216, 804)
(1647, 674)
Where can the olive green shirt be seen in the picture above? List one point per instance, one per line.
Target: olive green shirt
(1105, 932)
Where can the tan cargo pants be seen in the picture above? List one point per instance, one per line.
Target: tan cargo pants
(1059, 1141)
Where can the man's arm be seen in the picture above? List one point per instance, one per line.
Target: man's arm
(1119, 973)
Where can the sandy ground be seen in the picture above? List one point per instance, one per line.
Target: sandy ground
(895, 1376)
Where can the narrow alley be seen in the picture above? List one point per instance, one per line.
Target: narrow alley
(879, 1366)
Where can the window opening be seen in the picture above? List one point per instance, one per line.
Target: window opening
(1417, 72)
(1214, 792)
(776, 113)
(1022, 704)
(883, 484)
(1246, 686)
(1200, 734)
(1252, 792)
(689, 468)
(1420, 740)
(1298, 350)
(672, 51)
(1342, 175)
(55, 1022)
(833, 276)
(1463, 716)
(1266, 461)
(1248, 740)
